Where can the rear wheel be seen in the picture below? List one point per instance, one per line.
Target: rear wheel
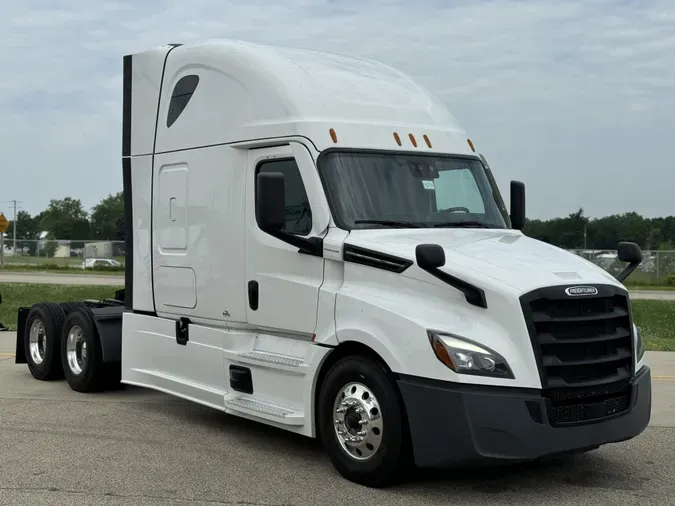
(69, 307)
(81, 354)
(362, 423)
(41, 340)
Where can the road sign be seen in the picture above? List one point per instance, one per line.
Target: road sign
(3, 223)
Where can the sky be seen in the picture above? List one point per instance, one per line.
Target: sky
(574, 98)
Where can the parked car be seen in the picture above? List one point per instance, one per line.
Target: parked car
(91, 263)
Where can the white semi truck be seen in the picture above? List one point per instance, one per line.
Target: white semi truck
(313, 243)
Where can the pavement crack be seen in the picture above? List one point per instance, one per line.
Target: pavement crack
(141, 496)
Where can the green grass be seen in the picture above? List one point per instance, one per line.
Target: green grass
(60, 269)
(15, 295)
(67, 265)
(656, 319)
(642, 278)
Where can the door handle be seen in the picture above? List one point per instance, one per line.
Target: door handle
(172, 209)
(183, 331)
(253, 295)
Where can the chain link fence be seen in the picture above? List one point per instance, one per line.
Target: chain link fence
(657, 267)
(46, 254)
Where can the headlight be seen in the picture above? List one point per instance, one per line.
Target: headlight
(639, 344)
(466, 357)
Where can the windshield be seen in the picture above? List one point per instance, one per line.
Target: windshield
(375, 190)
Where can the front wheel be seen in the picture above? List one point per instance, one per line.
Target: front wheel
(362, 423)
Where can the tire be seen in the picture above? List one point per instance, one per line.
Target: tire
(386, 430)
(69, 307)
(43, 328)
(81, 355)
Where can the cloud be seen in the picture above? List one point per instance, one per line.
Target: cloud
(574, 98)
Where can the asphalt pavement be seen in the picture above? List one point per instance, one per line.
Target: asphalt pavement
(139, 447)
(59, 279)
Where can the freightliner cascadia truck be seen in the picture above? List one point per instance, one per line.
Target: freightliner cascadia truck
(314, 243)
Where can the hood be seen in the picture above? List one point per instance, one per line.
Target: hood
(506, 256)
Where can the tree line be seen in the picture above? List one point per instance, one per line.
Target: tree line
(66, 219)
(577, 231)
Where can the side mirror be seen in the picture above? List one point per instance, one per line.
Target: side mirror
(429, 256)
(631, 253)
(517, 205)
(270, 204)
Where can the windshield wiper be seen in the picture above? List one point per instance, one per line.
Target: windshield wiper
(391, 223)
(466, 224)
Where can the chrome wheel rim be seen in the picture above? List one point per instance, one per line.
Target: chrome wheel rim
(76, 349)
(37, 342)
(358, 421)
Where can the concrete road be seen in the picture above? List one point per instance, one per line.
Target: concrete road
(653, 294)
(141, 447)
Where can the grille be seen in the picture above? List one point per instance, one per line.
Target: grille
(574, 413)
(584, 350)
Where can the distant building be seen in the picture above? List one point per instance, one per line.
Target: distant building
(101, 249)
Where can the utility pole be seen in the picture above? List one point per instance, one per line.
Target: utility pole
(585, 243)
(14, 232)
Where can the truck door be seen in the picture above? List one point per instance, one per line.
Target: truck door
(282, 287)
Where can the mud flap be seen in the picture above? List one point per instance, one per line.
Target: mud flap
(20, 353)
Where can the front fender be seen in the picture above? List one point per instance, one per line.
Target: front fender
(393, 321)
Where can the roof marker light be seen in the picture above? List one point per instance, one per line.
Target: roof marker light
(471, 145)
(397, 138)
(426, 139)
(412, 139)
(333, 135)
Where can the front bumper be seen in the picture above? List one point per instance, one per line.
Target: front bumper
(462, 425)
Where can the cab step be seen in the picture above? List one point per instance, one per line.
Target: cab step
(289, 364)
(280, 414)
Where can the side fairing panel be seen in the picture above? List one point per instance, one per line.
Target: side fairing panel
(142, 77)
(141, 267)
(146, 70)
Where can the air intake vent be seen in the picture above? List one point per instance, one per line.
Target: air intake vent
(375, 259)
